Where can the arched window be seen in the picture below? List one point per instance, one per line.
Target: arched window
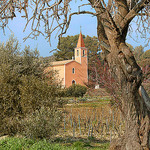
(83, 52)
(73, 82)
(73, 70)
(77, 52)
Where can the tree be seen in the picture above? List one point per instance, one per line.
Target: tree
(113, 20)
(138, 51)
(146, 55)
(130, 46)
(67, 45)
(24, 92)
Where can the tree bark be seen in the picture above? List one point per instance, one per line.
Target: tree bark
(136, 114)
(128, 74)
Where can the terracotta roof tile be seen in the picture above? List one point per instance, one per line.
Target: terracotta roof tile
(57, 63)
(80, 41)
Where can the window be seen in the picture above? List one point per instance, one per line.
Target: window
(83, 52)
(73, 70)
(77, 52)
(73, 82)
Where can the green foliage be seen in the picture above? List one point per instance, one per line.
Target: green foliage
(94, 51)
(138, 51)
(76, 90)
(28, 144)
(78, 145)
(66, 47)
(67, 44)
(130, 46)
(41, 124)
(146, 55)
(82, 99)
(24, 88)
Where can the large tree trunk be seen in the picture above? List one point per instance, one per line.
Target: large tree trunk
(128, 74)
(135, 111)
(136, 115)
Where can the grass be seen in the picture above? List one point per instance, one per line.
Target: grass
(88, 102)
(13, 143)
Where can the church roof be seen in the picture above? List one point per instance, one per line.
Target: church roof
(57, 63)
(80, 41)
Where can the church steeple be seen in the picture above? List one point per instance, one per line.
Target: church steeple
(80, 51)
(80, 41)
(81, 57)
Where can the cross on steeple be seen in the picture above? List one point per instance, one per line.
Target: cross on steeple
(80, 28)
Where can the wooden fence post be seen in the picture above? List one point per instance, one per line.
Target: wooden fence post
(79, 124)
(64, 123)
(73, 129)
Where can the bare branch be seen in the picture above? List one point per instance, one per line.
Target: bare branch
(82, 6)
(132, 13)
(121, 11)
(109, 5)
(76, 13)
(143, 14)
(5, 6)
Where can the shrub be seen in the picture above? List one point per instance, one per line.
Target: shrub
(76, 90)
(25, 91)
(42, 123)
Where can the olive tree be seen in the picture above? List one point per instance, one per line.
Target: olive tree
(113, 22)
(29, 100)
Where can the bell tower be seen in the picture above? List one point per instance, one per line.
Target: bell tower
(82, 58)
(80, 50)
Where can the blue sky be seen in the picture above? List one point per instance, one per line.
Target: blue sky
(87, 22)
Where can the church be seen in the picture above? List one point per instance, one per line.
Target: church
(74, 71)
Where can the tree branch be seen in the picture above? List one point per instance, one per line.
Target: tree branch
(121, 11)
(75, 13)
(132, 13)
(145, 97)
(55, 4)
(5, 6)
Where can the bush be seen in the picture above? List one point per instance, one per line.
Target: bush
(76, 90)
(25, 91)
(41, 124)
